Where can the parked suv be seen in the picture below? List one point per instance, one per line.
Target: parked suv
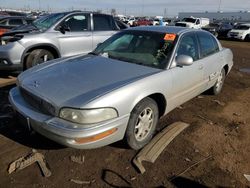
(53, 36)
(241, 32)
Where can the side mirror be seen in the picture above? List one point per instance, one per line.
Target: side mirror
(63, 28)
(184, 60)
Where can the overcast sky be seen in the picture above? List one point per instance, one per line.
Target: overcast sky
(132, 7)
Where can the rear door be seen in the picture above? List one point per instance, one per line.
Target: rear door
(103, 27)
(187, 80)
(211, 59)
(78, 37)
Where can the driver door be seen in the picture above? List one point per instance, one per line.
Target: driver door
(77, 38)
(186, 80)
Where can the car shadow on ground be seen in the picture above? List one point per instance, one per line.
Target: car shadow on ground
(11, 128)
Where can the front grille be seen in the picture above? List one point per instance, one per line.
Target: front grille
(38, 103)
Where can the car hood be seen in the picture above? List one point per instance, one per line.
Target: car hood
(76, 81)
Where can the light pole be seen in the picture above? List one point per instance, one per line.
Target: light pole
(219, 9)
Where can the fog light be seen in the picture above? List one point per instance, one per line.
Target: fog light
(95, 137)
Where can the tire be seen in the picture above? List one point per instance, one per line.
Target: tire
(139, 133)
(37, 57)
(216, 89)
(247, 38)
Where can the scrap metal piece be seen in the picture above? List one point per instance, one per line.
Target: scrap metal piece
(152, 151)
(23, 162)
(7, 81)
(247, 177)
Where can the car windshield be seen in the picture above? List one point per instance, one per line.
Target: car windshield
(46, 22)
(192, 20)
(242, 27)
(139, 47)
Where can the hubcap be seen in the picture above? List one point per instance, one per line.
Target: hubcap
(219, 83)
(144, 124)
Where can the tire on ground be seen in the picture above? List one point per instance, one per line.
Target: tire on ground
(216, 89)
(147, 106)
(37, 57)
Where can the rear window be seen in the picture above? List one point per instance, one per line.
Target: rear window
(208, 44)
(103, 23)
(15, 22)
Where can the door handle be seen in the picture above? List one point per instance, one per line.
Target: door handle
(200, 67)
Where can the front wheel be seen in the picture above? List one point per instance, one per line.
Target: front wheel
(216, 89)
(37, 57)
(247, 38)
(142, 123)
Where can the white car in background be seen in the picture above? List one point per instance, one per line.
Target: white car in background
(241, 32)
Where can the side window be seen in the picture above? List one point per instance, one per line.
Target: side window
(208, 44)
(188, 46)
(77, 23)
(15, 22)
(102, 22)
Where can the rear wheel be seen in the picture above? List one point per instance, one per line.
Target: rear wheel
(37, 57)
(216, 89)
(142, 123)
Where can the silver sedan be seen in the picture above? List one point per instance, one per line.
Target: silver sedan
(122, 88)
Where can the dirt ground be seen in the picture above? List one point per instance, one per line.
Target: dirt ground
(213, 152)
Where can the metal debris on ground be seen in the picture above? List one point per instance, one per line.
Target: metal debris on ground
(24, 162)
(80, 182)
(7, 81)
(190, 167)
(200, 97)
(180, 107)
(247, 177)
(187, 159)
(133, 178)
(219, 102)
(77, 159)
(206, 119)
(236, 114)
(151, 151)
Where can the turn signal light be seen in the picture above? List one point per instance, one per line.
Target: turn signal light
(95, 137)
(2, 31)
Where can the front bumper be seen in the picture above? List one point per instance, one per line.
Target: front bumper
(10, 56)
(235, 36)
(62, 131)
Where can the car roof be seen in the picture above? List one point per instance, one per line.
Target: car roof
(162, 29)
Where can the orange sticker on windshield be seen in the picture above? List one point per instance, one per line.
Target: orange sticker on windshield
(170, 37)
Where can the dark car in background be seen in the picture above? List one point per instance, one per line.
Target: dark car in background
(219, 29)
(10, 22)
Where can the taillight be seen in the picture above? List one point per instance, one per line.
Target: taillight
(2, 31)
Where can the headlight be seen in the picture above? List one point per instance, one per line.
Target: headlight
(6, 39)
(88, 116)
